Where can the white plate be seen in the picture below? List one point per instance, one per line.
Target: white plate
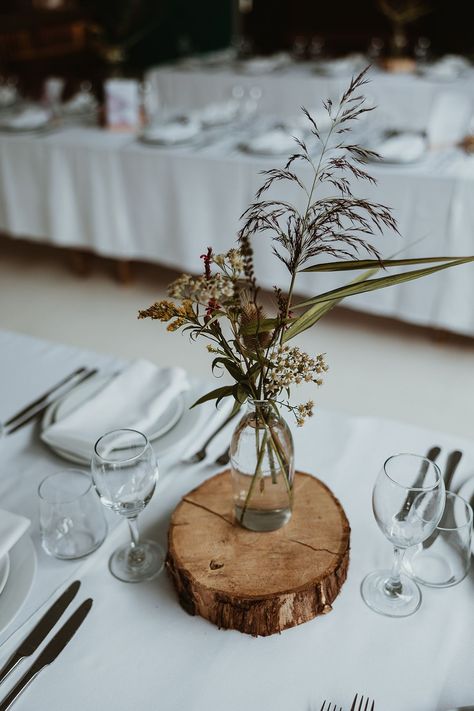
(4, 570)
(170, 428)
(20, 580)
(466, 491)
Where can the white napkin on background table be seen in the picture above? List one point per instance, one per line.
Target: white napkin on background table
(135, 398)
(172, 132)
(12, 527)
(403, 148)
(276, 141)
(29, 119)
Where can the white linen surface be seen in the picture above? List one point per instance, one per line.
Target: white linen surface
(105, 192)
(421, 663)
(148, 393)
(12, 527)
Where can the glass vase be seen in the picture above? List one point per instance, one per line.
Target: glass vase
(262, 467)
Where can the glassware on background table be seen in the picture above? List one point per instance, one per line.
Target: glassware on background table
(443, 559)
(375, 49)
(72, 522)
(408, 501)
(422, 50)
(125, 472)
(299, 48)
(316, 47)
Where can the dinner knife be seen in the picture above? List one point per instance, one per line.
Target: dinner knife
(49, 653)
(19, 415)
(39, 632)
(38, 409)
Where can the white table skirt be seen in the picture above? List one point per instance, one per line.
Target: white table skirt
(139, 649)
(402, 99)
(90, 189)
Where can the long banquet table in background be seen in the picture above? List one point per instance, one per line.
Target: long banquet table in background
(406, 100)
(139, 649)
(90, 189)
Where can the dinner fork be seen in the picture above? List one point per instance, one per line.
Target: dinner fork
(330, 707)
(201, 454)
(361, 706)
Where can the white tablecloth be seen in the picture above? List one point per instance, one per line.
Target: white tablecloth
(90, 189)
(139, 650)
(403, 100)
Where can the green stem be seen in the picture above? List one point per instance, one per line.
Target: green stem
(255, 476)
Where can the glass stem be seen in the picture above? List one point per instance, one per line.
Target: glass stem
(394, 585)
(135, 555)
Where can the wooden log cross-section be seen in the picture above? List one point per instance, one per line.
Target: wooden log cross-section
(258, 583)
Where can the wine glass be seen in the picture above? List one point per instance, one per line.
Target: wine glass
(408, 500)
(125, 472)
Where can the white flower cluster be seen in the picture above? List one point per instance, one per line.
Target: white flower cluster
(232, 259)
(292, 366)
(217, 288)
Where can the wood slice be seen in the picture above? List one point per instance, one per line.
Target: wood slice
(258, 583)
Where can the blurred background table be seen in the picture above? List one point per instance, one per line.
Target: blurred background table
(108, 193)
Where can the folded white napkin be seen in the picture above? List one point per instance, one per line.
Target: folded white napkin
(262, 65)
(218, 113)
(403, 148)
(449, 67)
(172, 132)
(80, 103)
(275, 142)
(135, 399)
(341, 66)
(12, 527)
(30, 118)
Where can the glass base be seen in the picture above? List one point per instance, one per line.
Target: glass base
(260, 520)
(392, 604)
(432, 568)
(134, 565)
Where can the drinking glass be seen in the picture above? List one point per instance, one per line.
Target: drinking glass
(299, 48)
(408, 501)
(444, 558)
(72, 522)
(125, 472)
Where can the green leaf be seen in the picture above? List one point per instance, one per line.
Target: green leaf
(267, 324)
(319, 304)
(230, 365)
(321, 310)
(368, 263)
(241, 391)
(381, 283)
(216, 394)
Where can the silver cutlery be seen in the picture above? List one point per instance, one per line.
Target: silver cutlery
(361, 707)
(224, 458)
(452, 463)
(49, 653)
(23, 412)
(201, 454)
(40, 631)
(330, 707)
(49, 399)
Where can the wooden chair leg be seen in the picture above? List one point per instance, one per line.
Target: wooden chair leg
(123, 271)
(81, 262)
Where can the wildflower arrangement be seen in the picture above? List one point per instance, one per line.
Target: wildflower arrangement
(222, 305)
